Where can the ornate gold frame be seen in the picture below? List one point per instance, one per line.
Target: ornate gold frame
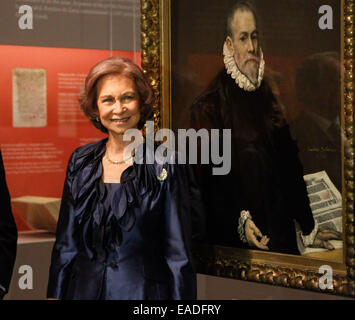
(264, 267)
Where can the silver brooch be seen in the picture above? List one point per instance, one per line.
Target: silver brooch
(163, 175)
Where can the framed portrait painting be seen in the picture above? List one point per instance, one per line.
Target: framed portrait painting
(274, 79)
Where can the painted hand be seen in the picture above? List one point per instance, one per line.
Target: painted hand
(252, 234)
(323, 236)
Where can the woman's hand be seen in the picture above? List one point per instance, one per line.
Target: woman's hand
(252, 233)
(323, 236)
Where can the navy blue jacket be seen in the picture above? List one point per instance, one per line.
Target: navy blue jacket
(148, 238)
(8, 233)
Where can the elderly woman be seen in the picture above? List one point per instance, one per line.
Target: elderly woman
(124, 228)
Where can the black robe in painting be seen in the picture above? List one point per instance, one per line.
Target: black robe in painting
(266, 175)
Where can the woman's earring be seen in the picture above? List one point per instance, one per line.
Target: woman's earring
(97, 119)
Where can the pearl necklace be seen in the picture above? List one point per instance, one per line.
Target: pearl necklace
(114, 161)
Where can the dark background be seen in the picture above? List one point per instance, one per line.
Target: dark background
(84, 24)
(288, 30)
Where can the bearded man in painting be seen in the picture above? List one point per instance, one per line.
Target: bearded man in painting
(257, 203)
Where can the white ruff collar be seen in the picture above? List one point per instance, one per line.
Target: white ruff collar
(240, 79)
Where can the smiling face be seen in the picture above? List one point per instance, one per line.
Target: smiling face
(245, 44)
(118, 103)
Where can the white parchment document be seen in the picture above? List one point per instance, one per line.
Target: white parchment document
(29, 97)
(326, 204)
